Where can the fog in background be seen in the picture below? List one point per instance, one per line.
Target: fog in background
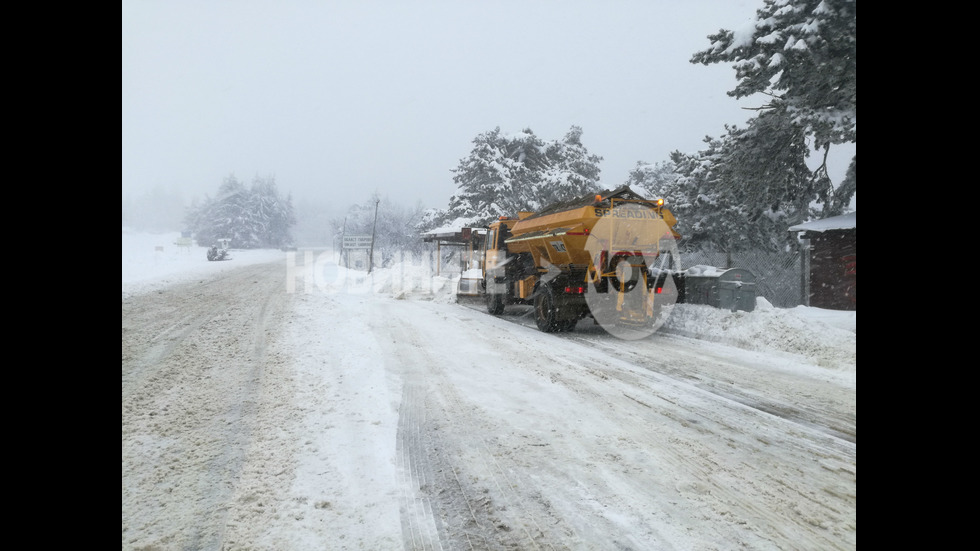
(345, 99)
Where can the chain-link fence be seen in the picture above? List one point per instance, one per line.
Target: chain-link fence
(781, 278)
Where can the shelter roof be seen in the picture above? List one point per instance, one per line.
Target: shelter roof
(843, 222)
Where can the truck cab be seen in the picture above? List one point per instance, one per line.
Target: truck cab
(498, 268)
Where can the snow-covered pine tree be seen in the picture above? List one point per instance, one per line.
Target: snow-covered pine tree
(571, 172)
(655, 181)
(251, 218)
(221, 216)
(802, 55)
(483, 181)
(745, 189)
(505, 174)
(707, 217)
(269, 216)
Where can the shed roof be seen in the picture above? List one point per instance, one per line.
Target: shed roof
(463, 234)
(843, 222)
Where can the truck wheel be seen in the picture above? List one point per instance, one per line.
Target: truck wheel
(495, 303)
(544, 309)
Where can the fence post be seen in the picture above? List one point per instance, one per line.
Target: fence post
(804, 271)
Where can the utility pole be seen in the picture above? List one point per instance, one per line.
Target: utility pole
(343, 248)
(371, 254)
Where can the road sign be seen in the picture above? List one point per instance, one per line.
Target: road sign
(357, 241)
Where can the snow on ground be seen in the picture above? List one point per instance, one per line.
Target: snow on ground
(363, 371)
(151, 261)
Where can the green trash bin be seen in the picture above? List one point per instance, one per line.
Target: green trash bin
(736, 290)
(732, 289)
(699, 284)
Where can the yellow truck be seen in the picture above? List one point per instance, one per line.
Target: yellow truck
(608, 256)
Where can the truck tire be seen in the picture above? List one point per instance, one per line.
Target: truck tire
(495, 303)
(544, 309)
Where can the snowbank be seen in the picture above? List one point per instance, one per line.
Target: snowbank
(828, 337)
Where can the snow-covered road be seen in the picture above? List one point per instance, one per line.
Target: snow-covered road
(254, 418)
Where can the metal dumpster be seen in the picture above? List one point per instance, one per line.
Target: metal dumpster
(732, 289)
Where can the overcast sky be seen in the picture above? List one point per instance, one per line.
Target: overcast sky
(338, 99)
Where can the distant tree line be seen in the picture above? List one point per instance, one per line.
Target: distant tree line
(251, 217)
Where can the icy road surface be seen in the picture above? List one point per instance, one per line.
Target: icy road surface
(254, 418)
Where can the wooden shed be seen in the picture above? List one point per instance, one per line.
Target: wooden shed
(832, 260)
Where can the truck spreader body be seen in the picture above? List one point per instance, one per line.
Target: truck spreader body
(607, 256)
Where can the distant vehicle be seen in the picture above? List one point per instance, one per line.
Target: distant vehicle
(219, 251)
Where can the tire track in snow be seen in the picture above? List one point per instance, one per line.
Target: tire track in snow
(418, 520)
(460, 483)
